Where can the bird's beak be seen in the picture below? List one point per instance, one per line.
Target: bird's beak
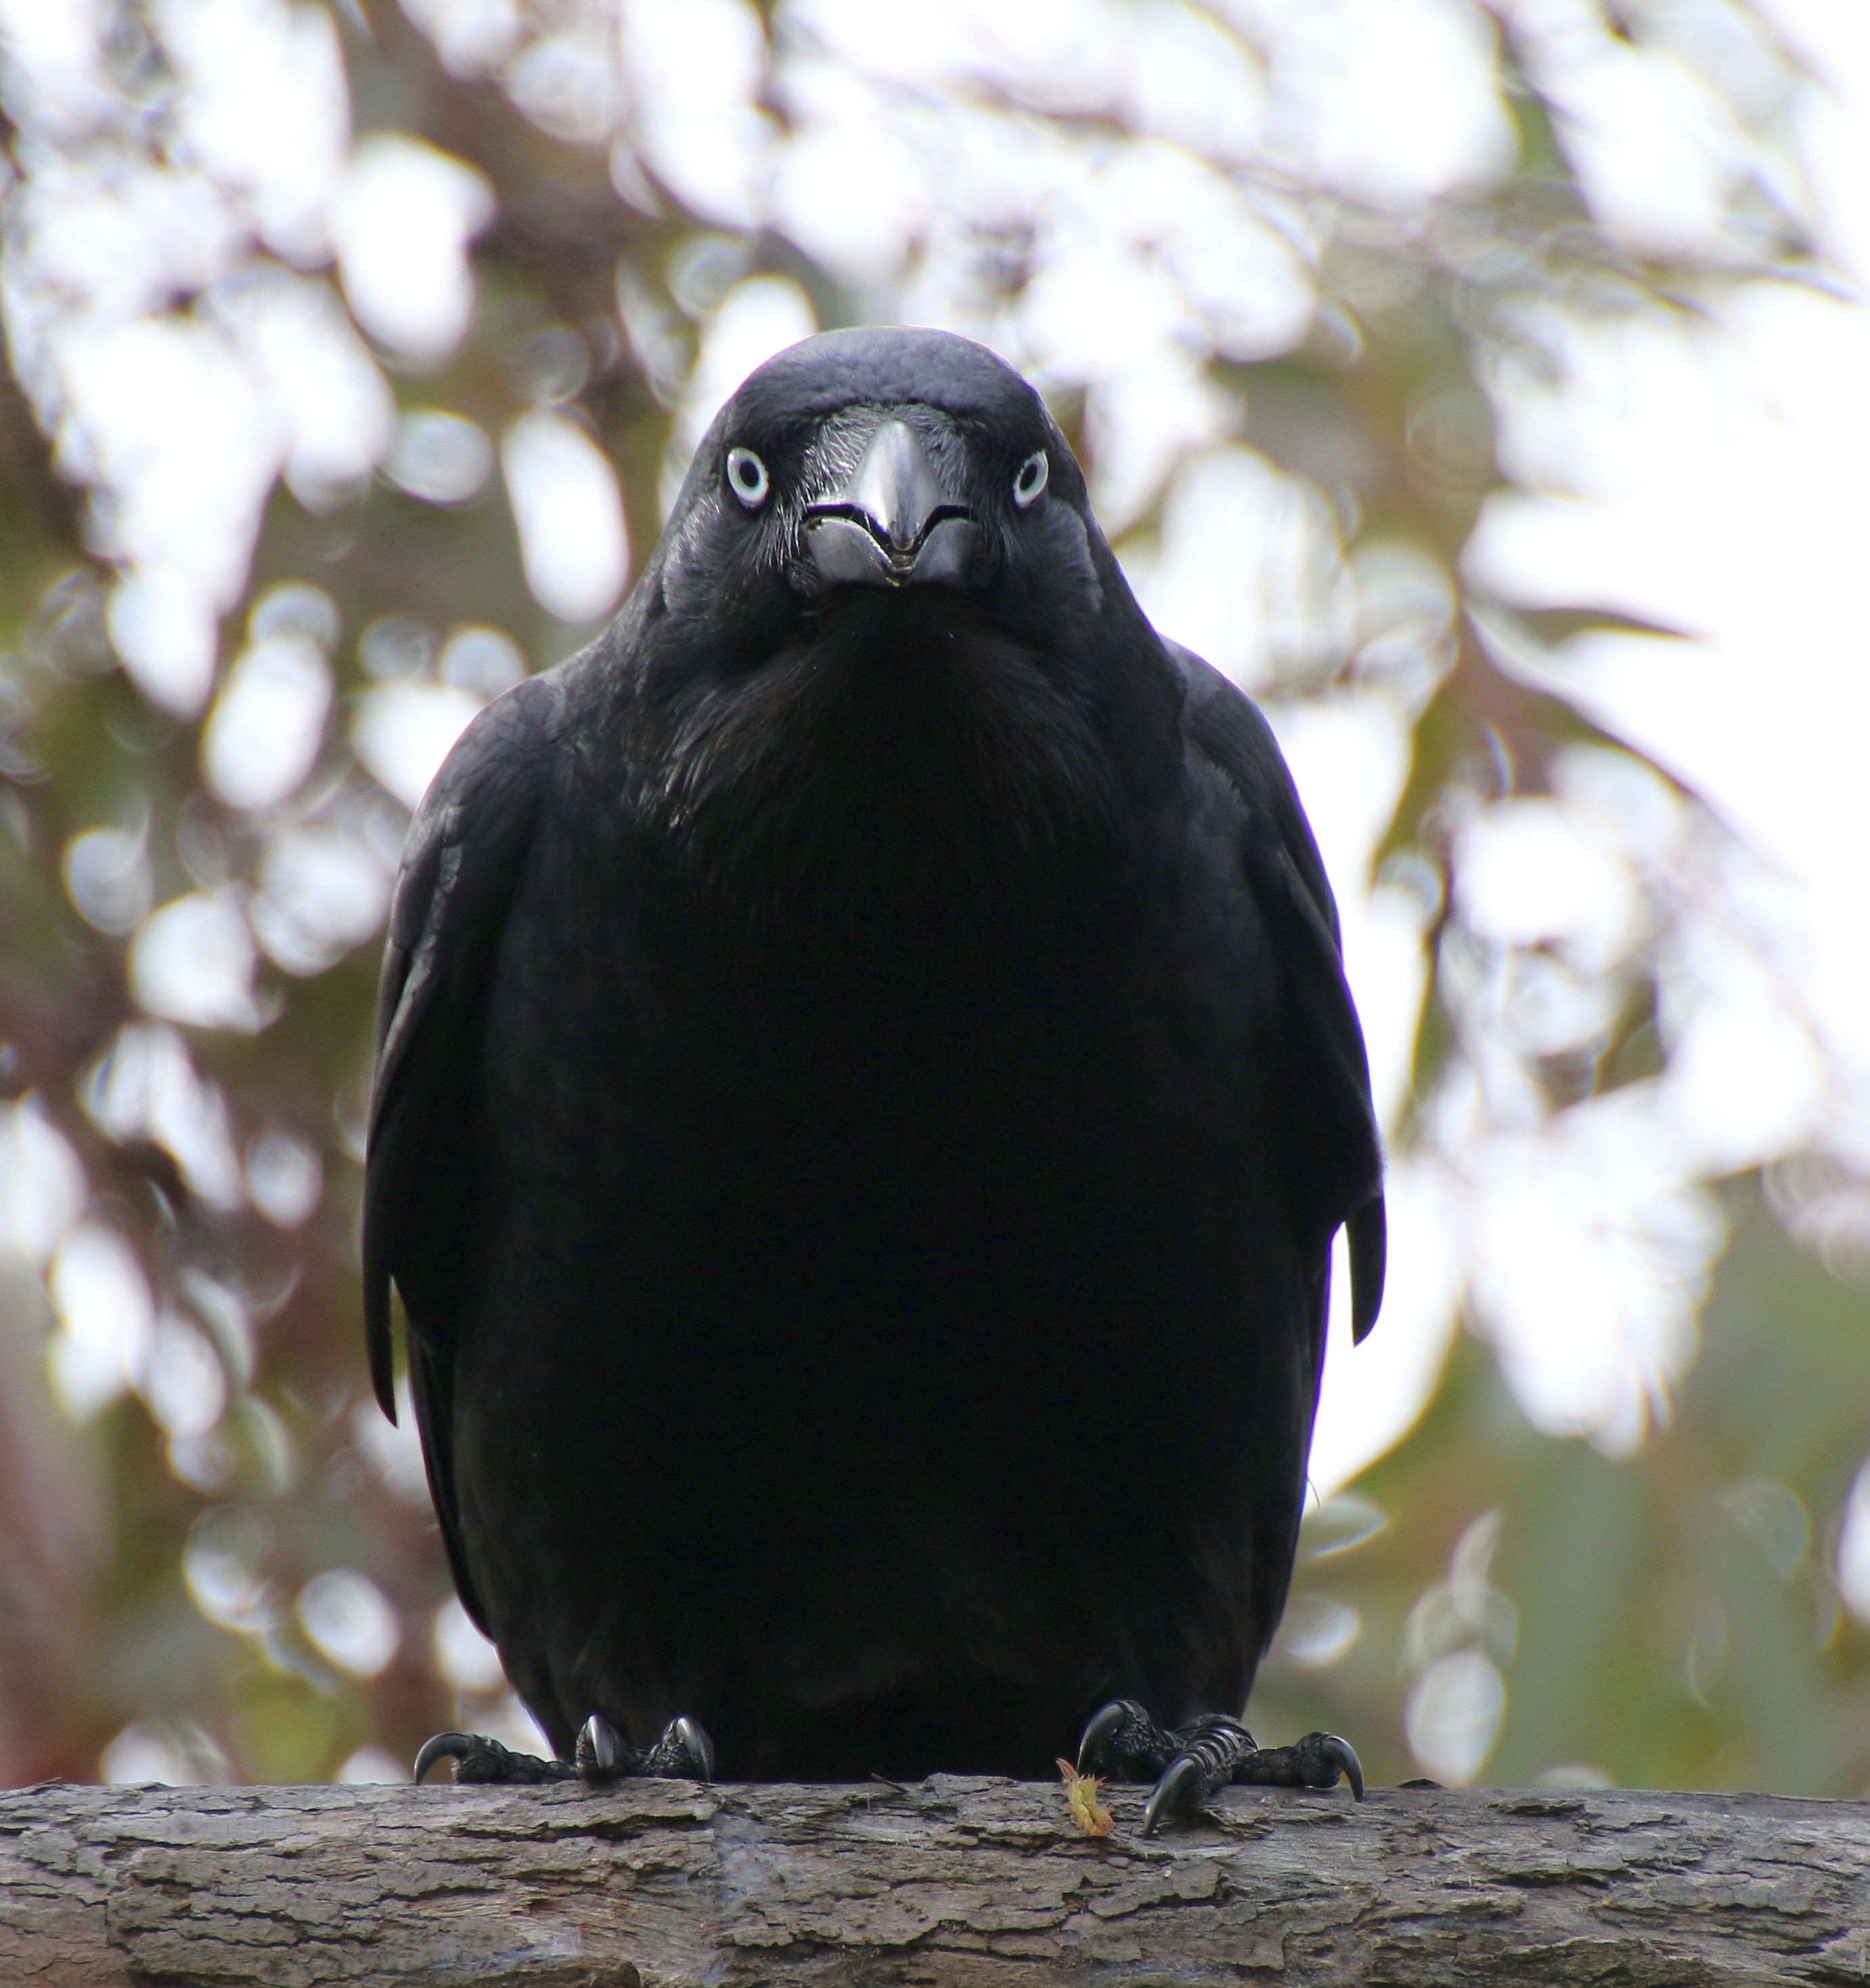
(889, 524)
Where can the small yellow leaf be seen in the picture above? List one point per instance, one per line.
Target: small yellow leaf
(1091, 1816)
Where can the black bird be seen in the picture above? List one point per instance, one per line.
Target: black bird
(866, 1088)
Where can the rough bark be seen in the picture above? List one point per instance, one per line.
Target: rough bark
(952, 1880)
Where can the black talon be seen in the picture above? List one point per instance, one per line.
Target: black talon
(442, 1747)
(478, 1759)
(1097, 1747)
(1344, 1754)
(1209, 1751)
(601, 1754)
(1194, 1761)
(1319, 1761)
(1124, 1738)
(684, 1753)
(1179, 1791)
(696, 1748)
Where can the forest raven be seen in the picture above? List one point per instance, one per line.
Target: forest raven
(866, 1090)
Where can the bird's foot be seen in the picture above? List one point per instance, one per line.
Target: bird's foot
(1190, 1763)
(477, 1758)
(684, 1753)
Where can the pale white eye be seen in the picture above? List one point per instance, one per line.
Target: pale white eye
(747, 477)
(1031, 479)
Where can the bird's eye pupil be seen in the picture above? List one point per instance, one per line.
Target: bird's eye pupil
(746, 475)
(1031, 479)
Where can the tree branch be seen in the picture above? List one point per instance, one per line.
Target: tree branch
(955, 1880)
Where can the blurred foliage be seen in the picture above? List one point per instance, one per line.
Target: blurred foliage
(1668, 1618)
(1665, 1621)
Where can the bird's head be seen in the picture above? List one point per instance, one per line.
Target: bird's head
(883, 653)
(906, 479)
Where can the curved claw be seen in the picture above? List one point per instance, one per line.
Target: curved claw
(1172, 1795)
(599, 1752)
(442, 1747)
(1100, 1735)
(1341, 1754)
(683, 1753)
(686, 1737)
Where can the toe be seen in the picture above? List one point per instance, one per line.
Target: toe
(601, 1753)
(478, 1759)
(1324, 1759)
(1097, 1748)
(695, 1748)
(455, 1746)
(1343, 1755)
(684, 1753)
(1123, 1739)
(1181, 1790)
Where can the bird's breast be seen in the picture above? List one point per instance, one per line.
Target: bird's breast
(807, 1261)
(854, 1157)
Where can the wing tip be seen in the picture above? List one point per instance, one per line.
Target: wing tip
(380, 1340)
(1369, 1236)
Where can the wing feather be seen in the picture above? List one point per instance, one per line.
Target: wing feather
(462, 866)
(1330, 1123)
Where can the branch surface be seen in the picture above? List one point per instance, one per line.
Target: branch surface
(957, 1880)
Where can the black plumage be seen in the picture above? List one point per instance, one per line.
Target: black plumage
(866, 1090)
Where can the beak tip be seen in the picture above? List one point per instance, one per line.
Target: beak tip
(889, 523)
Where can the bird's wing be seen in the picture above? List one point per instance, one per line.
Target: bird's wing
(461, 866)
(1331, 1125)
